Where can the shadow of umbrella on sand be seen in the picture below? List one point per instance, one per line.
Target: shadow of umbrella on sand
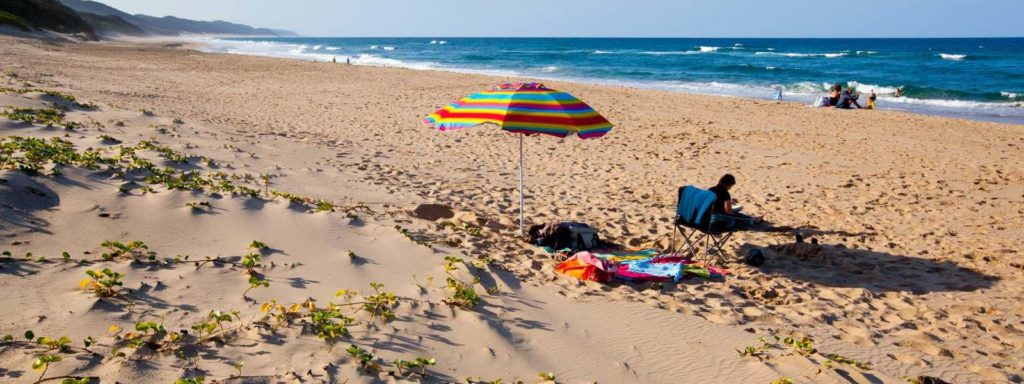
(526, 109)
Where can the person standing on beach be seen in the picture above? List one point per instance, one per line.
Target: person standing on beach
(334, 60)
(871, 99)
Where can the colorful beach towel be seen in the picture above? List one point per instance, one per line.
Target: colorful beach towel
(618, 256)
(634, 266)
(660, 268)
(669, 267)
(585, 266)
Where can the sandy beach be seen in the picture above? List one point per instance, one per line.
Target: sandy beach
(916, 269)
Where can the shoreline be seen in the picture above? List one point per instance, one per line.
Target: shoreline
(961, 109)
(891, 282)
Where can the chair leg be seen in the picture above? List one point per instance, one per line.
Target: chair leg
(698, 252)
(690, 245)
(672, 245)
(718, 243)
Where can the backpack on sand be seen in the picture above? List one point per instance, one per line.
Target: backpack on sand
(576, 236)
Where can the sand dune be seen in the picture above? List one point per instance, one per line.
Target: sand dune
(916, 219)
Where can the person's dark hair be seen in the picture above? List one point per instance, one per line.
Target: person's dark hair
(727, 180)
(837, 87)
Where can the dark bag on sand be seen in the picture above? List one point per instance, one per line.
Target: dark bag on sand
(754, 258)
(567, 235)
(576, 236)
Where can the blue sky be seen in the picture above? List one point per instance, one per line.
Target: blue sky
(611, 18)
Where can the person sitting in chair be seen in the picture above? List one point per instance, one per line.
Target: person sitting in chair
(728, 215)
(723, 201)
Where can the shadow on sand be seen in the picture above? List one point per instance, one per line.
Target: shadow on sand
(20, 198)
(839, 266)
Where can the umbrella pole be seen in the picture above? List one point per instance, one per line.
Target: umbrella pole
(521, 186)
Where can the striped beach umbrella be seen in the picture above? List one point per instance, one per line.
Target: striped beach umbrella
(526, 109)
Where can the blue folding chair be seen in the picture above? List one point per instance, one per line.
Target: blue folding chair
(695, 223)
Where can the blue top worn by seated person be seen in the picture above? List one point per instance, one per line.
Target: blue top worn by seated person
(846, 101)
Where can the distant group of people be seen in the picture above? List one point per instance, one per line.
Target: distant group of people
(846, 98)
(849, 98)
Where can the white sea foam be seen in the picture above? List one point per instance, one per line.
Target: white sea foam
(770, 68)
(709, 49)
(1011, 95)
(950, 56)
(808, 92)
(550, 69)
(433, 41)
(261, 48)
(791, 54)
(442, 42)
(737, 45)
(947, 104)
(866, 88)
(866, 52)
(379, 61)
(805, 88)
(389, 48)
(662, 53)
(301, 52)
(600, 52)
(317, 47)
(332, 48)
(374, 47)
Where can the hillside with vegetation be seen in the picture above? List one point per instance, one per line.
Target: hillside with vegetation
(30, 15)
(169, 25)
(91, 20)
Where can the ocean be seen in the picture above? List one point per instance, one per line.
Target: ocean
(975, 78)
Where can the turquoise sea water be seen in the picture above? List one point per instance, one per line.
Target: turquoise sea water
(979, 78)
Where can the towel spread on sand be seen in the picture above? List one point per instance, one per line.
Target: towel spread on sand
(661, 268)
(634, 266)
(585, 266)
(620, 256)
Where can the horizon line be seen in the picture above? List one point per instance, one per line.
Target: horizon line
(656, 37)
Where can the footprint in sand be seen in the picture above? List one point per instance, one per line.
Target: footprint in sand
(908, 359)
(924, 343)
